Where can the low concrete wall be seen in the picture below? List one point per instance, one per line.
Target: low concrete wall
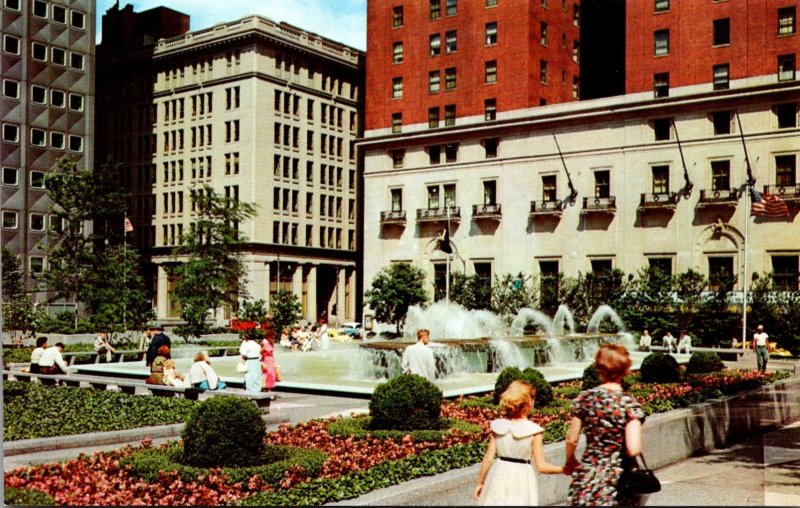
(668, 438)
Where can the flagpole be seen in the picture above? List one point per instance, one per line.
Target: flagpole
(124, 268)
(744, 278)
(447, 264)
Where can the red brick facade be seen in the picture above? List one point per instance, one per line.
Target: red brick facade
(754, 41)
(518, 52)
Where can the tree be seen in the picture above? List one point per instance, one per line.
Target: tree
(689, 287)
(13, 286)
(254, 311)
(470, 291)
(394, 290)
(212, 273)
(19, 313)
(286, 310)
(510, 293)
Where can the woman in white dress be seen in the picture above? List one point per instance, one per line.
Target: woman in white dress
(506, 476)
(251, 354)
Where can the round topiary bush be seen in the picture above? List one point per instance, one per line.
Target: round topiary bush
(224, 431)
(406, 402)
(591, 378)
(506, 377)
(544, 391)
(702, 362)
(660, 368)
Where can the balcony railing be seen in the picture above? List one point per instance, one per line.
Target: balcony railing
(659, 200)
(599, 205)
(539, 208)
(719, 197)
(785, 192)
(493, 212)
(394, 217)
(452, 213)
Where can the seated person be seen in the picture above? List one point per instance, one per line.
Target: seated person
(669, 342)
(285, 341)
(645, 341)
(172, 377)
(102, 346)
(202, 376)
(157, 367)
(685, 344)
(36, 354)
(52, 362)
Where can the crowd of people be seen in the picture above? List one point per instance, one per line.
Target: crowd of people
(671, 343)
(305, 338)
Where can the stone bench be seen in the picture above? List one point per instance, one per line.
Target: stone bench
(728, 354)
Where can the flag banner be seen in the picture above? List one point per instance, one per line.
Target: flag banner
(768, 205)
(443, 242)
(128, 225)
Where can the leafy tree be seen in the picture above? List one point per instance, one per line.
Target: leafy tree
(510, 293)
(689, 286)
(212, 273)
(286, 310)
(19, 313)
(470, 291)
(13, 286)
(254, 310)
(394, 290)
(650, 302)
(550, 288)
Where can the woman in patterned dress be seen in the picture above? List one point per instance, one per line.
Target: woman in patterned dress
(611, 419)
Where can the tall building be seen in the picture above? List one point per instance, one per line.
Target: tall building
(47, 107)
(266, 113)
(620, 182)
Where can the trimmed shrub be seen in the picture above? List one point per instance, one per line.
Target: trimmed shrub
(505, 378)
(660, 368)
(224, 431)
(702, 362)
(406, 402)
(25, 497)
(591, 378)
(359, 428)
(544, 390)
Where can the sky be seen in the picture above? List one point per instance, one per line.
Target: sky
(343, 21)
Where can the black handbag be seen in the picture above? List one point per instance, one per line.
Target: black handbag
(636, 481)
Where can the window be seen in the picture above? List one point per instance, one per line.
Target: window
(785, 170)
(662, 5)
(451, 7)
(449, 115)
(786, 21)
(450, 194)
(12, 4)
(397, 200)
(450, 42)
(38, 94)
(450, 78)
(663, 265)
(491, 33)
(720, 273)
(549, 188)
(543, 33)
(661, 42)
(660, 179)
(397, 88)
(436, 9)
(543, 71)
(786, 65)
(58, 56)
(661, 84)
(10, 220)
(721, 77)
(451, 152)
(433, 117)
(434, 44)
(397, 16)
(76, 61)
(37, 222)
(576, 51)
(602, 266)
(38, 137)
(75, 143)
(58, 98)
(722, 32)
(787, 115)
(11, 44)
(10, 133)
(490, 109)
(37, 179)
(37, 265)
(397, 122)
(78, 19)
(11, 176)
(11, 89)
(548, 282)
(722, 122)
(40, 8)
(75, 102)
(490, 72)
(435, 154)
(490, 147)
(490, 192)
(397, 158)
(576, 15)
(433, 81)
(785, 273)
(59, 14)
(39, 52)
(491, 3)
(720, 175)
(433, 197)
(397, 52)
(602, 184)
(576, 87)
(57, 140)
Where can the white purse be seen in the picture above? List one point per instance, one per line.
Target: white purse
(241, 367)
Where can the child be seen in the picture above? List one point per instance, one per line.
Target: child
(506, 476)
(172, 377)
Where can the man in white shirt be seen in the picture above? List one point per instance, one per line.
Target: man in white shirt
(669, 342)
(685, 343)
(418, 359)
(102, 347)
(645, 341)
(52, 362)
(36, 354)
(761, 347)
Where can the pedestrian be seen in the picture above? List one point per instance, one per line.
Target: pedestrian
(506, 477)
(251, 354)
(202, 376)
(268, 368)
(418, 358)
(612, 422)
(761, 347)
(160, 339)
(144, 340)
(102, 347)
(645, 341)
(52, 362)
(36, 354)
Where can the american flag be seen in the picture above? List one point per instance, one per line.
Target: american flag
(128, 225)
(767, 204)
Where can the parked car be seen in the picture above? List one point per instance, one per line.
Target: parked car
(352, 329)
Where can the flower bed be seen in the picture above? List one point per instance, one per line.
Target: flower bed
(355, 465)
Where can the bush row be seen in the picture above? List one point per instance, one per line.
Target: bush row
(360, 428)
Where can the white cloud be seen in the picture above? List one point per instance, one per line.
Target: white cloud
(344, 21)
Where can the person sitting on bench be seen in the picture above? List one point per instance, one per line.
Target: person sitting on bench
(52, 362)
(202, 376)
(36, 354)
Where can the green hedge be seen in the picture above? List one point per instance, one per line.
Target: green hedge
(358, 427)
(149, 463)
(35, 411)
(25, 497)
